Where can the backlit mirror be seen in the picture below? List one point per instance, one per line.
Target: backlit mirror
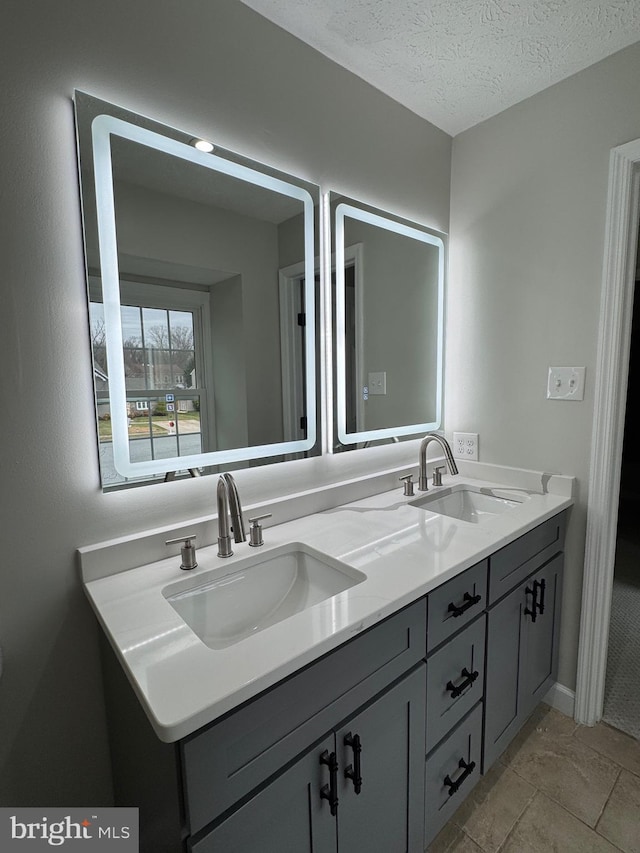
(389, 303)
(202, 296)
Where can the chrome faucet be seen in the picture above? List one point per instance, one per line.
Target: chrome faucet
(228, 505)
(422, 458)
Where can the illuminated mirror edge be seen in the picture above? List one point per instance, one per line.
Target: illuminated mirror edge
(103, 127)
(342, 210)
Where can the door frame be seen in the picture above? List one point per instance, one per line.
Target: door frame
(291, 351)
(353, 257)
(614, 344)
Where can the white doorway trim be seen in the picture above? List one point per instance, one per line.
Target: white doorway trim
(614, 340)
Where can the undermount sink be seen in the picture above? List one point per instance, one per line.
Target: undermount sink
(468, 503)
(259, 592)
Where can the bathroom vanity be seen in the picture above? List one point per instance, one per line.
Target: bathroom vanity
(359, 722)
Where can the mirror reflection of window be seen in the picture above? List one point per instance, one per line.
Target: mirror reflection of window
(164, 402)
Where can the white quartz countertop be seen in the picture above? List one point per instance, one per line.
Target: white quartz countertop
(403, 550)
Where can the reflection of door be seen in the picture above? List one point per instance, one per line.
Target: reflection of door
(352, 388)
(293, 353)
(353, 338)
(300, 332)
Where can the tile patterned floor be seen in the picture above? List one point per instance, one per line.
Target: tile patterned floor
(559, 788)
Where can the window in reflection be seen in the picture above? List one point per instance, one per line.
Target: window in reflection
(161, 352)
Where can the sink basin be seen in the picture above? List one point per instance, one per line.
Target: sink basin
(258, 592)
(469, 503)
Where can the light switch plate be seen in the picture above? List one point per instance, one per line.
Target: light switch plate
(378, 382)
(566, 383)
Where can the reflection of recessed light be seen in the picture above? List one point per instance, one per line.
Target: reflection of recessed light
(202, 145)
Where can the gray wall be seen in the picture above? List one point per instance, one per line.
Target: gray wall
(527, 236)
(219, 71)
(229, 369)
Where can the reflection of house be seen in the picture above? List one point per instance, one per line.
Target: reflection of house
(160, 376)
(138, 407)
(154, 377)
(161, 381)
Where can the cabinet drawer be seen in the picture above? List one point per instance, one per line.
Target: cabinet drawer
(455, 680)
(452, 770)
(227, 760)
(519, 559)
(456, 603)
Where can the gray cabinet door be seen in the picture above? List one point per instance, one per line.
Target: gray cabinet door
(522, 655)
(387, 815)
(504, 641)
(539, 665)
(224, 762)
(289, 814)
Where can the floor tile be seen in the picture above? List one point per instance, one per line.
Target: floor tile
(565, 769)
(545, 827)
(616, 745)
(453, 840)
(445, 838)
(492, 808)
(620, 821)
(543, 720)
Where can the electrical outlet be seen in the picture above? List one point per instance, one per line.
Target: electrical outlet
(465, 445)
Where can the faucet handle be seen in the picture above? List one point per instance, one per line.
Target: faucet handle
(255, 531)
(188, 551)
(437, 474)
(408, 484)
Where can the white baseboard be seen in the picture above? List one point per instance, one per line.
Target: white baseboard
(562, 699)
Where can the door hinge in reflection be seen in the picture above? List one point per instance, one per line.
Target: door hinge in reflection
(303, 423)
(302, 319)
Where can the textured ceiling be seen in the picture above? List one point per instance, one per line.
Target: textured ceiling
(458, 62)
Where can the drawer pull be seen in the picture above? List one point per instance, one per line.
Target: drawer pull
(541, 586)
(330, 792)
(458, 609)
(533, 612)
(353, 771)
(538, 604)
(454, 786)
(469, 678)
